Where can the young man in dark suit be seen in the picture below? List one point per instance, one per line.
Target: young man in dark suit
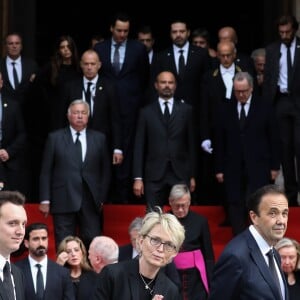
(56, 279)
(281, 88)
(130, 78)
(18, 74)
(12, 145)
(13, 219)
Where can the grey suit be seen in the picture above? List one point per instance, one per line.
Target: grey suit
(74, 188)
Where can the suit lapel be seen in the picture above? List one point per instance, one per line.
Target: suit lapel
(175, 111)
(88, 143)
(171, 61)
(296, 56)
(18, 282)
(133, 280)
(5, 73)
(159, 284)
(251, 111)
(69, 143)
(2, 291)
(262, 266)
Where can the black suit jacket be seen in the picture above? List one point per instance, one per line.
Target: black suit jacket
(197, 64)
(125, 253)
(257, 146)
(241, 272)
(213, 94)
(87, 285)
(106, 112)
(13, 141)
(19, 281)
(271, 73)
(29, 70)
(61, 174)
(121, 281)
(158, 143)
(58, 283)
(132, 80)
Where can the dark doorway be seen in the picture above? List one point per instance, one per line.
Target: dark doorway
(82, 21)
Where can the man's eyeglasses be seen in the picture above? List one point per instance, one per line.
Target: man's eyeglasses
(156, 242)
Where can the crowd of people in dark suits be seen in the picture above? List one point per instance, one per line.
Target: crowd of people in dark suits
(121, 123)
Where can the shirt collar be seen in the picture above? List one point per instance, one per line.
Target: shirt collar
(2, 262)
(113, 42)
(73, 131)
(230, 70)
(263, 246)
(162, 101)
(248, 102)
(33, 262)
(185, 48)
(94, 80)
(17, 61)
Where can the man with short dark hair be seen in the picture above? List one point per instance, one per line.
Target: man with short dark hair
(281, 88)
(56, 279)
(243, 271)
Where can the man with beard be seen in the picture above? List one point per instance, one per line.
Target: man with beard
(164, 149)
(281, 88)
(44, 279)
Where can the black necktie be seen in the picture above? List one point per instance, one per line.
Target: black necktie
(242, 116)
(78, 146)
(15, 76)
(7, 282)
(116, 59)
(39, 283)
(88, 93)
(181, 64)
(289, 66)
(166, 112)
(272, 268)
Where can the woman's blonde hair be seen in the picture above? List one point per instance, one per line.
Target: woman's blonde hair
(84, 264)
(168, 222)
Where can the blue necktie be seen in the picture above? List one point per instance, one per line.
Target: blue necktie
(272, 268)
(39, 283)
(116, 59)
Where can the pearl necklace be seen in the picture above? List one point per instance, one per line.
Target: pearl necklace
(147, 285)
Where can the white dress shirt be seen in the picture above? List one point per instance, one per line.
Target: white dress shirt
(93, 91)
(34, 269)
(163, 107)
(227, 75)
(176, 50)
(9, 67)
(82, 139)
